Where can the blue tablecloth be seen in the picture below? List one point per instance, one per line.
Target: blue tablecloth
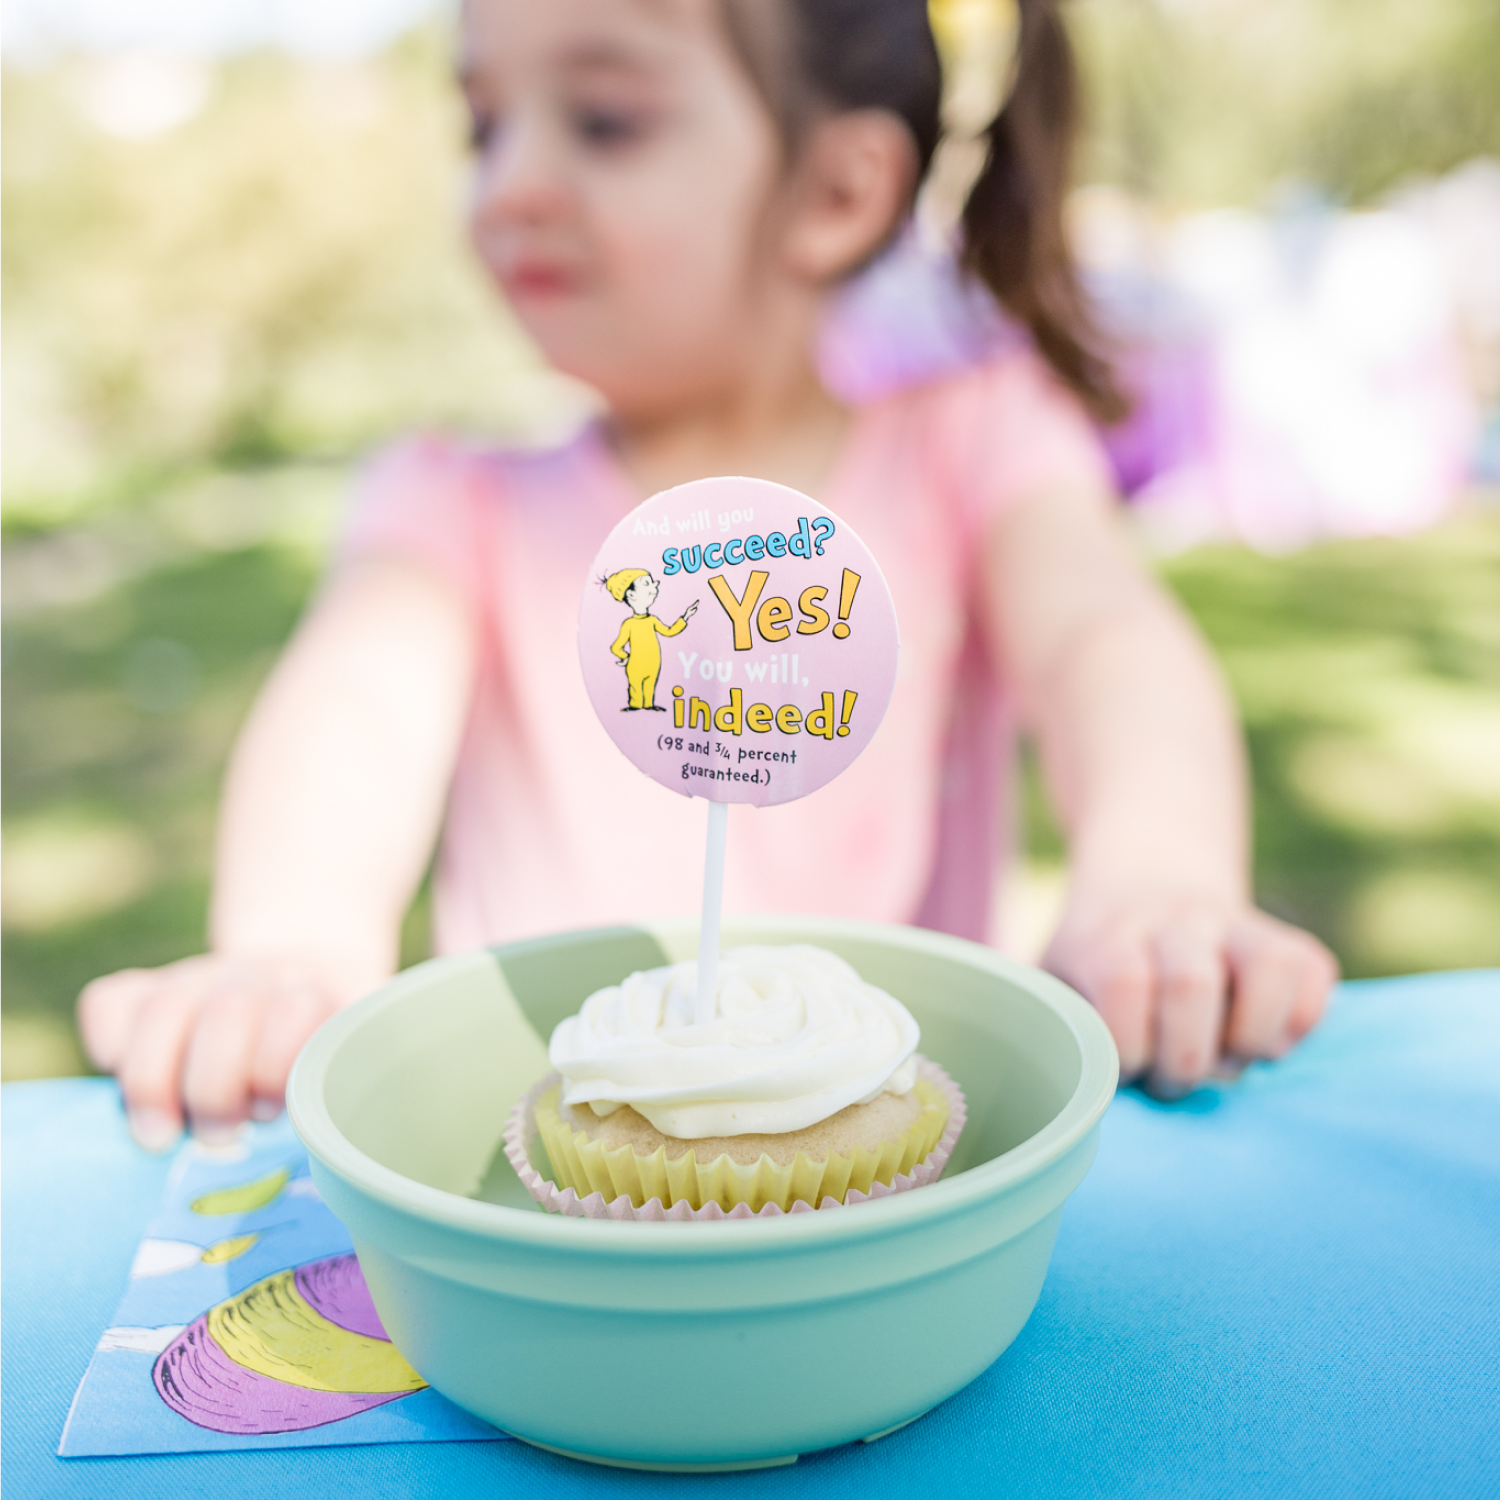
(1286, 1286)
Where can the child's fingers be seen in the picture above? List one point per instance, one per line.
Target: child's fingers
(1122, 995)
(151, 1066)
(293, 1013)
(216, 1068)
(1269, 966)
(1190, 983)
(1116, 974)
(107, 1009)
(1320, 972)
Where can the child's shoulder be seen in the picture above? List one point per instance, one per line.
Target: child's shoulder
(1003, 426)
(436, 460)
(437, 499)
(1011, 383)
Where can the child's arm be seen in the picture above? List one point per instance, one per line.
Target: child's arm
(1143, 759)
(330, 808)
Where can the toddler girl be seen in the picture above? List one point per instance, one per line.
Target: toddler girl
(668, 192)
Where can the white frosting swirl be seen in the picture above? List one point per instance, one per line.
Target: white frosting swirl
(796, 1036)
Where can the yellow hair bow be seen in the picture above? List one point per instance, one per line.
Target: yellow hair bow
(976, 40)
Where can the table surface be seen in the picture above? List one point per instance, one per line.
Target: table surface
(1288, 1285)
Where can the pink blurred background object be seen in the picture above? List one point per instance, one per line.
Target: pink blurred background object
(1303, 374)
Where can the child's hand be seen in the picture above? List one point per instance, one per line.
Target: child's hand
(1182, 981)
(212, 1036)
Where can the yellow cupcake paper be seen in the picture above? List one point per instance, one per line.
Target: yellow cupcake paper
(587, 1167)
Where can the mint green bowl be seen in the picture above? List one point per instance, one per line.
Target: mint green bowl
(725, 1345)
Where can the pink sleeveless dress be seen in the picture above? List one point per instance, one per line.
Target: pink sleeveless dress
(549, 827)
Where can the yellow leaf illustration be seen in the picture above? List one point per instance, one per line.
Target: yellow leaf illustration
(230, 1249)
(241, 1199)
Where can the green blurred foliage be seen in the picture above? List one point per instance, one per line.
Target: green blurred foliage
(1367, 675)
(133, 647)
(205, 329)
(282, 275)
(1368, 678)
(1201, 103)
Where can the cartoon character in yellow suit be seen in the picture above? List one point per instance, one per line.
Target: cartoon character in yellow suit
(636, 646)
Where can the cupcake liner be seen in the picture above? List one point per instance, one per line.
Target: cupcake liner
(588, 1165)
(611, 1176)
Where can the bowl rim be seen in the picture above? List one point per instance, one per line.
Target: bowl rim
(329, 1147)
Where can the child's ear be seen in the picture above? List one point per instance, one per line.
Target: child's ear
(852, 184)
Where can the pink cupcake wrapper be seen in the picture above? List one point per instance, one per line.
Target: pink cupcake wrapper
(521, 1129)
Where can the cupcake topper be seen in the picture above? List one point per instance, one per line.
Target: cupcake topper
(739, 644)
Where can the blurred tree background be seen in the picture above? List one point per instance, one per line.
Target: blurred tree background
(1211, 102)
(226, 281)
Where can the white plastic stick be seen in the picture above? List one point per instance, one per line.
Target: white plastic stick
(713, 903)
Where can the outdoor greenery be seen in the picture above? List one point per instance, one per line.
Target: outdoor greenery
(207, 327)
(1201, 103)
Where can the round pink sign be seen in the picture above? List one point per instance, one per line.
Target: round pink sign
(738, 641)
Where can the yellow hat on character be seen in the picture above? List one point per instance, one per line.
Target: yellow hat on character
(617, 583)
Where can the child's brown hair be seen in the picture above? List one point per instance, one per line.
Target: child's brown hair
(881, 54)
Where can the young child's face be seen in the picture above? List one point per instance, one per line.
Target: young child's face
(641, 594)
(625, 169)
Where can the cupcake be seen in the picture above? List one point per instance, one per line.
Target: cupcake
(805, 1087)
